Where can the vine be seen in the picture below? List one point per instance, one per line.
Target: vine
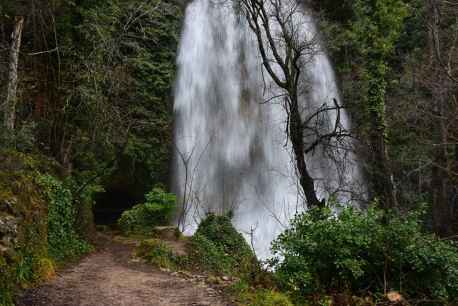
(63, 241)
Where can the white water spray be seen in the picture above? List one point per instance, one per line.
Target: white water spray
(232, 151)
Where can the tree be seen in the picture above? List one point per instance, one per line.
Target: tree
(374, 32)
(442, 44)
(285, 51)
(11, 94)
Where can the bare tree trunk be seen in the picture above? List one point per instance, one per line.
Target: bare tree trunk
(442, 213)
(441, 210)
(11, 95)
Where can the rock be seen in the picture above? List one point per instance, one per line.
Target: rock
(186, 274)
(7, 205)
(394, 297)
(8, 230)
(166, 233)
(165, 270)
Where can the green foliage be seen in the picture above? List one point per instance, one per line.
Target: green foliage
(157, 210)
(219, 248)
(63, 240)
(377, 26)
(124, 64)
(374, 32)
(247, 296)
(365, 251)
(156, 252)
(23, 223)
(84, 201)
(363, 44)
(21, 139)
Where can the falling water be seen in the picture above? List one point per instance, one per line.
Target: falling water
(232, 151)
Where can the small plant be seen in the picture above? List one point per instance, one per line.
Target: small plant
(358, 251)
(157, 210)
(248, 296)
(157, 253)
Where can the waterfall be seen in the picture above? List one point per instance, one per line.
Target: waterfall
(232, 151)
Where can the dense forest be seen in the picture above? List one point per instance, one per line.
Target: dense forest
(88, 148)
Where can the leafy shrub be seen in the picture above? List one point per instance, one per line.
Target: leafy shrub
(63, 240)
(157, 253)
(157, 210)
(218, 247)
(365, 251)
(247, 296)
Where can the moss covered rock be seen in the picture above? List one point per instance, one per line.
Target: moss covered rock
(23, 223)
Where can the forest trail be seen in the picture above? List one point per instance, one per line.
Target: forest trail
(111, 277)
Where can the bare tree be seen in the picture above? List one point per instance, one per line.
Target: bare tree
(443, 44)
(285, 51)
(11, 94)
(189, 197)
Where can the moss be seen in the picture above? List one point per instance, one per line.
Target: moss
(45, 269)
(7, 281)
(219, 248)
(23, 223)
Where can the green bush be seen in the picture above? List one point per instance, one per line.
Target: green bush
(370, 251)
(156, 252)
(247, 296)
(218, 247)
(63, 240)
(157, 210)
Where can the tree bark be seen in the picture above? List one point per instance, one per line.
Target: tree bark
(381, 172)
(297, 141)
(441, 209)
(442, 213)
(11, 94)
(382, 182)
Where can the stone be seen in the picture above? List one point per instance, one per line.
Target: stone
(170, 233)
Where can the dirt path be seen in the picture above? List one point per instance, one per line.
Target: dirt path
(109, 277)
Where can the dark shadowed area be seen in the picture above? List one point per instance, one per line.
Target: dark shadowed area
(112, 203)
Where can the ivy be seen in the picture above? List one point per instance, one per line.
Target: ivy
(63, 241)
(373, 33)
